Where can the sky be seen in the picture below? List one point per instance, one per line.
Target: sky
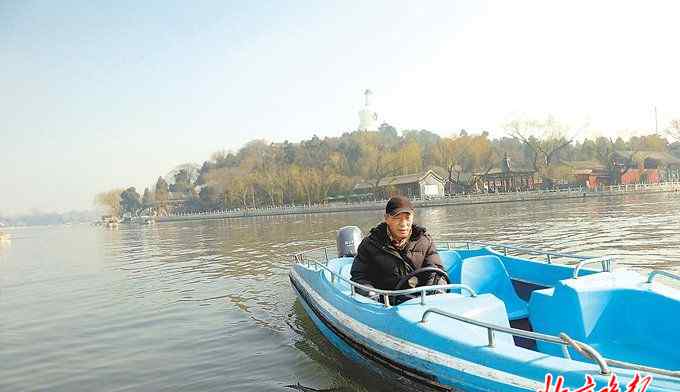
(99, 95)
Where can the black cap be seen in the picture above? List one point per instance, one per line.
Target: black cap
(399, 204)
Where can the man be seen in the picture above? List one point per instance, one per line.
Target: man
(395, 248)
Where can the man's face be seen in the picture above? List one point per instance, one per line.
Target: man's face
(399, 225)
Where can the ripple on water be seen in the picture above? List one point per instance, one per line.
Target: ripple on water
(208, 305)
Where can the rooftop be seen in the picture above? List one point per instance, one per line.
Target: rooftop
(399, 180)
(661, 156)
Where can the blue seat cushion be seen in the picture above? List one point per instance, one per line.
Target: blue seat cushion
(487, 274)
(451, 261)
(616, 313)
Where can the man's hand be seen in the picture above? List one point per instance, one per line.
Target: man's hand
(374, 296)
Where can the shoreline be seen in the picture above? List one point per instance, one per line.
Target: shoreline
(510, 197)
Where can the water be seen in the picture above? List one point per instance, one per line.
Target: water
(208, 306)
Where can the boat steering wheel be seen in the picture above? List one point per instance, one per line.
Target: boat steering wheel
(420, 271)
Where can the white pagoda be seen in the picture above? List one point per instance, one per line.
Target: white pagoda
(368, 119)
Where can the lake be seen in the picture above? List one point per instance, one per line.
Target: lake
(207, 305)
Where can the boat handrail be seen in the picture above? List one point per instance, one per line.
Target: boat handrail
(606, 262)
(654, 273)
(505, 247)
(621, 364)
(564, 340)
(387, 293)
(300, 255)
(384, 293)
(450, 245)
(491, 328)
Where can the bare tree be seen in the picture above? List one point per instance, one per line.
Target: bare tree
(605, 151)
(110, 201)
(384, 167)
(546, 138)
(378, 163)
(465, 154)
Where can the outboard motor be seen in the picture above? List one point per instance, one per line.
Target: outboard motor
(348, 240)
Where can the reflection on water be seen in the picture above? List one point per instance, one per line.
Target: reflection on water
(208, 305)
(643, 231)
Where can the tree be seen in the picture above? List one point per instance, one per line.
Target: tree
(446, 156)
(410, 158)
(674, 129)
(255, 155)
(147, 199)
(648, 143)
(545, 138)
(271, 182)
(465, 154)
(605, 150)
(193, 202)
(288, 152)
(183, 177)
(182, 182)
(619, 144)
(423, 137)
(263, 173)
(235, 184)
(203, 172)
(110, 201)
(130, 201)
(349, 146)
(377, 163)
(162, 194)
(313, 153)
(426, 140)
(223, 158)
(388, 131)
(208, 198)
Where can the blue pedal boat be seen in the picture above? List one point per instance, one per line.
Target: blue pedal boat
(505, 322)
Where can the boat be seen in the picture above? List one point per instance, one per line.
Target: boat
(143, 220)
(510, 319)
(110, 221)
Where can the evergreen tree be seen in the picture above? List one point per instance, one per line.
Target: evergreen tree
(130, 201)
(147, 199)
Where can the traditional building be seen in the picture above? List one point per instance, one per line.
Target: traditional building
(507, 178)
(628, 167)
(427, 184)
(650, 167)
(590, 174)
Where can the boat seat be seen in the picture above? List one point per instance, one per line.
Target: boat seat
(346, 271)
(451, 261)
(614, 313)
(487, 274)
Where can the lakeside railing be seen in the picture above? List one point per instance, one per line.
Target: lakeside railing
(427, 201)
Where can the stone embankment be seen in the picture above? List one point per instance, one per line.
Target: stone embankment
(453, 200)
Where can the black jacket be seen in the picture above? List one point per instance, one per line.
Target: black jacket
(379, 264)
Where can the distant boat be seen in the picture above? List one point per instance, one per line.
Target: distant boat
(110, 221)
(143, 220)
